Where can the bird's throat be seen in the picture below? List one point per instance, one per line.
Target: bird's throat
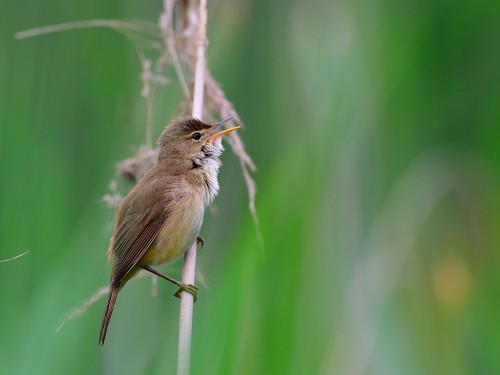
(209, 171)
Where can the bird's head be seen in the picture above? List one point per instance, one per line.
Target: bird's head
(190, 138)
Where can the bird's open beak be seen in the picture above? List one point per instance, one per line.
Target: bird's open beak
(221, 133)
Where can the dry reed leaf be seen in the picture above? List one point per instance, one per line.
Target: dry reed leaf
(17, 256)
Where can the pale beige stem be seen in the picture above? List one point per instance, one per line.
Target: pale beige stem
(188, 274)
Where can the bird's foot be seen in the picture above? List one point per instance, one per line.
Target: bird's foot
(190, 288)
(193, 289)
(199, 241)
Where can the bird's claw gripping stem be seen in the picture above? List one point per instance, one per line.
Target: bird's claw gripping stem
(199, 241)
(190, 288)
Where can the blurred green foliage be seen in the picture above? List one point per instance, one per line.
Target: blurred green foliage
(375, 127)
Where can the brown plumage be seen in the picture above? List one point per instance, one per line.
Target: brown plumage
(161, 216)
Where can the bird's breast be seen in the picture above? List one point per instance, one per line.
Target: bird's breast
(179, 232)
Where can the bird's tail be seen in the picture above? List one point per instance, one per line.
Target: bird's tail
(110, 305)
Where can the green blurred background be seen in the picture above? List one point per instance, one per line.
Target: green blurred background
(375, 128)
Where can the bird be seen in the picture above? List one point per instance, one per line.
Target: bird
(161, 217)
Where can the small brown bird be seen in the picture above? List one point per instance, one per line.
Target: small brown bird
(161, 217)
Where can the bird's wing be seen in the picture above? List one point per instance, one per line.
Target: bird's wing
(134, 235)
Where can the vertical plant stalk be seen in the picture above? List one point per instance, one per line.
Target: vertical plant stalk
(188, 273)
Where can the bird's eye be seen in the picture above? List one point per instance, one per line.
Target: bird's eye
(196, 136)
